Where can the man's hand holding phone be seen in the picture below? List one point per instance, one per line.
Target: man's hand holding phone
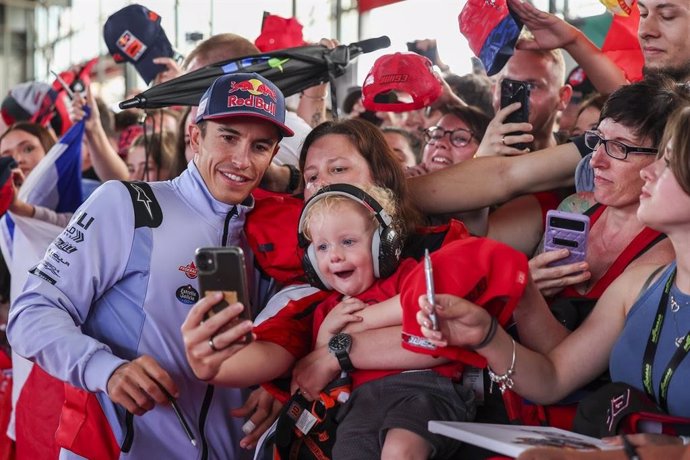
(210, 340)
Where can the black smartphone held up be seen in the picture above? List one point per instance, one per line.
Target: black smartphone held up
(566, 230)
(430, 53)
(223, 269)
(516, 91)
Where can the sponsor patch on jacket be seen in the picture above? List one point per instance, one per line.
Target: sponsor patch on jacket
(187, 294)
(189, 270)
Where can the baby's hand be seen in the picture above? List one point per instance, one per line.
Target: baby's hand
(341, 315)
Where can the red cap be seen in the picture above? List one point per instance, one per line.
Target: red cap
(278, 33)
(481, 270)
(408, 73)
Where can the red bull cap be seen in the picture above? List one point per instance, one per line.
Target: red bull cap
(134, 34)
(244, 95)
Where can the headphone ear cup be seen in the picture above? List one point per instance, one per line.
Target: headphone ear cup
(311, 270)
(386, 250)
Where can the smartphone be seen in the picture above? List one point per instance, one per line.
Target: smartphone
(428, 53)
(430, 290)
(223, 269)
(516, 91)
(566, 230)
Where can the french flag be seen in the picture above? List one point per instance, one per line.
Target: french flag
(54, 183)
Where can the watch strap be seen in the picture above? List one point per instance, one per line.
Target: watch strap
(344, 361)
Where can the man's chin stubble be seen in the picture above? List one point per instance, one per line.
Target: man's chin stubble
(678, 73)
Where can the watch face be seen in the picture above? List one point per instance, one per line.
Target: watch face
(340, 342)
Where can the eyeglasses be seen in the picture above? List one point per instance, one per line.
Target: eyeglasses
(615, 149)
(458, 137)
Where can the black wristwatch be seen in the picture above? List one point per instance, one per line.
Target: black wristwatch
(340, 345)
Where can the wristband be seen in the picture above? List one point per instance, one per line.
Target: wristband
(490, 334)
(685, 440)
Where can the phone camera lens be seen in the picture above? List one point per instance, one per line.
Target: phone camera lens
(205, 261)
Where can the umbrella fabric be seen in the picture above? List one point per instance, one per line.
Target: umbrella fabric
(291, 70)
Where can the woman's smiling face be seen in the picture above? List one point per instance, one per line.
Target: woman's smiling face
(333, 159)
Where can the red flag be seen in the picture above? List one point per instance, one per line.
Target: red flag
(622, 46)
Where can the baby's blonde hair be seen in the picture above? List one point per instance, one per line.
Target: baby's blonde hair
(330, 203)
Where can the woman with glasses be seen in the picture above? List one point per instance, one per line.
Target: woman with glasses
(630, 129)
(639, 329)
(454, 139)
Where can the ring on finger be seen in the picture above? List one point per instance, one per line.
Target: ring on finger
(503, 140)
(212, 345)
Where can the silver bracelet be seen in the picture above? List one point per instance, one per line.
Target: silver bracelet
(505, 381)
(685, 440)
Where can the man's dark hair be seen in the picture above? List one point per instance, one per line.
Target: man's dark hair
(127, 118)
(474, 90)
(646, 105)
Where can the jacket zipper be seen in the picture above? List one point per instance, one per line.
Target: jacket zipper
(205, 405)
(129, 433)
(226, 226)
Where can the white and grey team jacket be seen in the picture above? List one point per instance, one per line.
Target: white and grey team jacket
(117, 284)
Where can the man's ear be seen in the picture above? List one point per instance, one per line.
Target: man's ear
(564, 96)
(194, 137)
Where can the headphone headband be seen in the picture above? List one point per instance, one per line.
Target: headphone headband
(348, 191)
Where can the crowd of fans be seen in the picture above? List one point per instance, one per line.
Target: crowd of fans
(334, 217)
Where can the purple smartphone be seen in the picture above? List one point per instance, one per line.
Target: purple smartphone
(566, 230)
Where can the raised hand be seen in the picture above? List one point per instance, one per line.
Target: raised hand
(549, 31)
(498, 141)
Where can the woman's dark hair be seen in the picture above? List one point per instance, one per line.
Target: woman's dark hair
(179, 161)
(595, 100)
(475, 119)
(646, 105)
(414, 142)
(160, 147)
(384, 166)
(45, 138)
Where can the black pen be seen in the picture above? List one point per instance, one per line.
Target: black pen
(180, 417)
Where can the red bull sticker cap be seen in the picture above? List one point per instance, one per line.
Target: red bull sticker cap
(244, 95)
(134, 34)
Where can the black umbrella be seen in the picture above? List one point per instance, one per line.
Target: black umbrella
(292, 70)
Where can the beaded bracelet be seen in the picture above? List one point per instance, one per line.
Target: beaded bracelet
(504, 381)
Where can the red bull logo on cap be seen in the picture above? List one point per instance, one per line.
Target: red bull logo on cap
(258, 92)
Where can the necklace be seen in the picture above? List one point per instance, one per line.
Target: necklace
(675, 307)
